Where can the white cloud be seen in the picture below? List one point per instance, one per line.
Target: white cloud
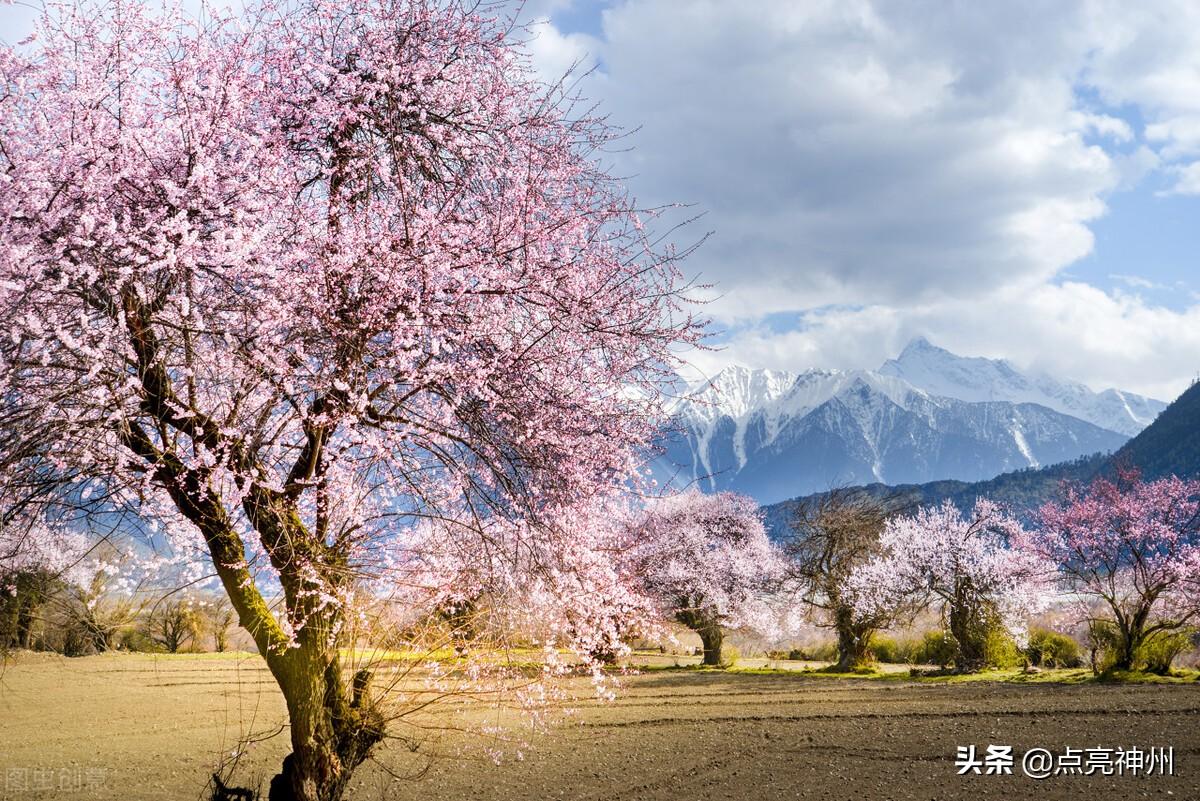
(889, 169)
(854, 154)
(1138, 282)
(1187, 179)
(556, 54)
(1148, 55)
(1072, 330)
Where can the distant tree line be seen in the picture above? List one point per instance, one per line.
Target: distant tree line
(42, 611)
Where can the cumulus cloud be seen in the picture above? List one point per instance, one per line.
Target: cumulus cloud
(854, 153)
(558, 56)
(881, 170)
(1187, 179)
(1073, 330)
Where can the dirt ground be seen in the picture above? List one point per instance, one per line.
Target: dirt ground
(143, 727)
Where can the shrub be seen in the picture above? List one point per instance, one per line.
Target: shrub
(999, 649)
(882, 648)
(936, 648)
(825, 652)
(1053, 650)
(138, 641)
(730, 656)
(1160, 650)
(886, 649)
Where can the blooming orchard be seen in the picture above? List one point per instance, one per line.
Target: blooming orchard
(707, 561)
(276, 289)
(1131, 546)
(970, 564)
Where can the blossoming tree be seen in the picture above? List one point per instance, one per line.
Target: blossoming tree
(970, 564)
(830, 537)
(707, 561)
(1131, 546)
(274, 289)
(35, 558)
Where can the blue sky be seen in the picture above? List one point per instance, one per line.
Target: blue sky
(1147, 237)
(1148, 240)
(1017, 180)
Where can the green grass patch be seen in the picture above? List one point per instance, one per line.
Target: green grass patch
(930, 676)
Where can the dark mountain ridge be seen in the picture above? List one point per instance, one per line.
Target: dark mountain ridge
(1168, 446)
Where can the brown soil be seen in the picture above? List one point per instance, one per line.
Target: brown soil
(139, 727)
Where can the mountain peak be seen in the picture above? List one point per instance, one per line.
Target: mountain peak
(978, 379)
(918, 345)
(737, 390)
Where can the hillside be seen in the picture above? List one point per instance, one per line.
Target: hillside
(1169, 445)
(1021, 489)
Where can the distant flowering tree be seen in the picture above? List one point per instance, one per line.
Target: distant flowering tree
(36, 558)
(829, 539)
(1134, 547)
(969, 564)
(274, 289)
(458, 590)
(707, 561)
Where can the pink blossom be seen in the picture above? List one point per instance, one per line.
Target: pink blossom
(968, 564)
(288, 284)
(705, 559)
(1131, 546)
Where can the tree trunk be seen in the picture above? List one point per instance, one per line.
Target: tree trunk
(970, 632)
(710, 640)
(853, 641)
(332, 730)
(26, 615)
(707, 623)
(1127, 647)
(1132, 630)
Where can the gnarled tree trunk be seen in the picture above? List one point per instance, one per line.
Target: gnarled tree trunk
(333, 727)
(853, 640)
(707, 624)
(1131, 633)
(969, 625)
(711, 638)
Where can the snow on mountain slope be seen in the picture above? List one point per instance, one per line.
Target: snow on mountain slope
(737, 391)
(767, 399)
(975, 379)
(926, 415)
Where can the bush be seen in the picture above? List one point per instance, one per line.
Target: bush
(730, 656)
(936, 648)
(1052, 650)
(884, 648)
(138, 641)
(1160, 650)
(825, 652)
(999, 649)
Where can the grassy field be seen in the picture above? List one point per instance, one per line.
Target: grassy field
(152, 727)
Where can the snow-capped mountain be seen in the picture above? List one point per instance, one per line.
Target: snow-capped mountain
(940, 372)
(926, 415)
